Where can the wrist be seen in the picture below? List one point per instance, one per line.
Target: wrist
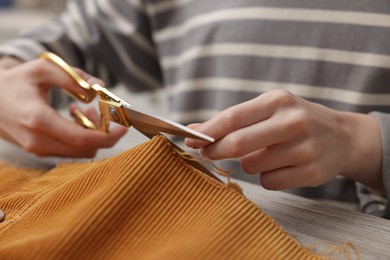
(364, 161)
(8, 62)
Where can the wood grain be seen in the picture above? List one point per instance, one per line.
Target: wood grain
(313, 222)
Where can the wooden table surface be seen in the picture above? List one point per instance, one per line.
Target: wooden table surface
(314, 222)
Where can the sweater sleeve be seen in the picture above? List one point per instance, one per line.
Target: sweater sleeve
(110, 39)
(384, 124)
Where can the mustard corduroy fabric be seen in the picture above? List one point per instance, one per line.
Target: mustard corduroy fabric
(146, 203)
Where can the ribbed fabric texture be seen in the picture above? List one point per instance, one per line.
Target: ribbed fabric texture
(146, 203)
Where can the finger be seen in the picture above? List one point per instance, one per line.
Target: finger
(87, 139)
(280, 179)
(42, 145)
(45, 145)
(47, 73)
(268, 159)
(231, 119)
(273, 158)
(249, 139)
(286, 178)
(91, 113)
(49, 122)
(189, 141)
(194, 125)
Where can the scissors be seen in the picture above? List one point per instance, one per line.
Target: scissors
(115, 109)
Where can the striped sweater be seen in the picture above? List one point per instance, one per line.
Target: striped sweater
(211, 55)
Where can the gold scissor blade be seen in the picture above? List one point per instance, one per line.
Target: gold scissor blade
(153, 125)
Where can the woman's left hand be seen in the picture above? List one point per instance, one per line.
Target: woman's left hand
(294, 143)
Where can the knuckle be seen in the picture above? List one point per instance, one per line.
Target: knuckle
(236, 146)
(38, 67)
(281, 98)
(300, 122)
(35, 118)
(230, 118)
(32, 145)
(310, 152)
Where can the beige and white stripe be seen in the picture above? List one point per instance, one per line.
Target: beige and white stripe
(307, 91)
(277, 51)
(269, 13)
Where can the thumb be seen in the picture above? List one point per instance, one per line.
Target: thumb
(194, 125)
(194, 143)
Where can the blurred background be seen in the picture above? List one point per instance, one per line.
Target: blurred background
(17, 15)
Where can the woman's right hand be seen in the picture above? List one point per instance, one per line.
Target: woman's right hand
(27, 120)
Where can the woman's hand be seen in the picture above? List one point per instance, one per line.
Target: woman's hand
(27, 120)
(295, 143)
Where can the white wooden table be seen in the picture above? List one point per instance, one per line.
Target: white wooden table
(312, 222)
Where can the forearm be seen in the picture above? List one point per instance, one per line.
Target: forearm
(364, 161)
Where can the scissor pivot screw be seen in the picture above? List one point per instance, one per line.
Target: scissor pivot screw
(114, 114)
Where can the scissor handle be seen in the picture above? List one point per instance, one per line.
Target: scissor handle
(89, 93)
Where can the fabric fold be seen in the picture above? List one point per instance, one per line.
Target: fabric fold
(146, 203)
